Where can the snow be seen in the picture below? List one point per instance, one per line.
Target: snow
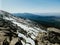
(32, 36)
(32, 31)
(29, 40)
(21, 35)
(25, 27)
(27, 44)
(8, 18)
(29, 30)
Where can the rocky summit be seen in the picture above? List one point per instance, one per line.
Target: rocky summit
(20, 31)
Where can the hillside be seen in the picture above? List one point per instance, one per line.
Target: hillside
(26, 29)
(21, 31)
(46, 21)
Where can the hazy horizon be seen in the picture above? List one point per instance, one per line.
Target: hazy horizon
(30, 6)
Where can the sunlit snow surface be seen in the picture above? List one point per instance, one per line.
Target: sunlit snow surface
(30, 30)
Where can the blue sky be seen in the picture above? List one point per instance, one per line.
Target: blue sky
(30, 6)
(0, 4)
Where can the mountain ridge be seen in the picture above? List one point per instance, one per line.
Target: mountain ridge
(16, 30)
(29, 32)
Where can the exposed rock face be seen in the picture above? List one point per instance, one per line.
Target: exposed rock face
(53, 29)
(8, 35)
(49, 38)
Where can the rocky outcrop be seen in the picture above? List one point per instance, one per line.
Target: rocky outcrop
(48, 38)
(53, 29)
(8, 33)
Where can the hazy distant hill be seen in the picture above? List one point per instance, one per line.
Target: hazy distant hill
(47, 21)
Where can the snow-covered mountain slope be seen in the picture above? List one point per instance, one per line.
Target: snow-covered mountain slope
(26, 28)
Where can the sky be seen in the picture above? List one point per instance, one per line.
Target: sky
(30, 6)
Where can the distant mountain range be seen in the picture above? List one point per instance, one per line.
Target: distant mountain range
(47, 21)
